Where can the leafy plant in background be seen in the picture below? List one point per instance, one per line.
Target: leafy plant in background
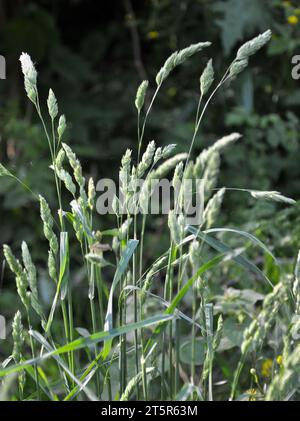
(264, 96)
(147, 367)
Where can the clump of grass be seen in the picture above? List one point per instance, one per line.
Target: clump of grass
(151, 341)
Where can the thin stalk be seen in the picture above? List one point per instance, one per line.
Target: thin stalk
(71, 328)
(237, 376)
(141, 135)
(142, 245)
(33, 351)
(135, 305)
(94, 327)
(24, 185)
(99, 283)
(166, 296)
(224, 78)
(143, 357)
(193, 336)
(210, 380)
(66, 327)
(177, 336)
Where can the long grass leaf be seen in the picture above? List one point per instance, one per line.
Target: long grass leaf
(223, 248)
(250, 237)
(90, 340)
(121, 268)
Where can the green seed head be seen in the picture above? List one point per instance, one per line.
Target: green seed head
(52, 105)
(140, 95)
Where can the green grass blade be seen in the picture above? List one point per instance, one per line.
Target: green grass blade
(64, 264)
(250, 237)
(172, 308)
(223, 248)
(121, 268)
(39, 338)
(90, 340)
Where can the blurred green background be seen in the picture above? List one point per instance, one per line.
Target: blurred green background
(94, 54)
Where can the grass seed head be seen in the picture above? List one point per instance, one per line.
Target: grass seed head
(18, 337)
(30, 76)
(12, 261)
(213, 208)
(207, 78)
(141, 94)
(61, 126)
(252, 46)
(52, 105)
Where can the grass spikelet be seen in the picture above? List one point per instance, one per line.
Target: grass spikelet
(166, 69)
(91, 194)
(140, 95)
(213, 208)
(31, 274)
(296, 285)
(30, 76)
(18, 344)
(124, 229)
(18, 337)
(21, 278)
(66, 178)
(177, 177)
(60, 159)
(30, 268)
(22, 286)
(13, 263)
(147, 159)
(133, 383)
(225, 141)
(61, 127)
(52, 105)
(189, 51)
(124, 173)
(272, 195)
(163, 169)
(252, 46)
(211, 173)
(207, 78)
(52, 265)
(77, 171)
(174, 227)
(178, 58)
(48, 225)
(218, 334)
(237, 67)
(195, 254)
(146, 192)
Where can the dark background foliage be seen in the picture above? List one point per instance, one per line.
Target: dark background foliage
(94, 55)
